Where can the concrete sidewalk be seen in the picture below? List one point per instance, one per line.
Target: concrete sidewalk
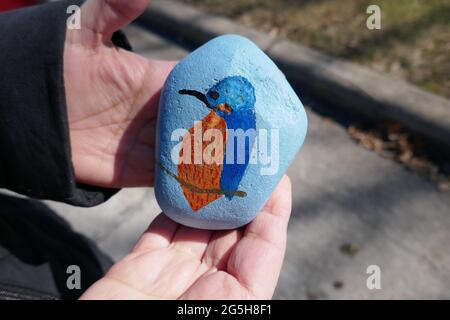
(343, 194)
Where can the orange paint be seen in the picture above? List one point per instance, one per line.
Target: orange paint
(225, 107)
(204, 176)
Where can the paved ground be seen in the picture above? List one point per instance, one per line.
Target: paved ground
(343, 194)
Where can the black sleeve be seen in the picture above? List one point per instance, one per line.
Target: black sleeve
(35, 154)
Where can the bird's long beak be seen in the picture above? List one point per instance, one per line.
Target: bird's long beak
(200, 96)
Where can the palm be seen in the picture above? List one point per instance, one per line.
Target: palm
(176, 262)
(112, 123)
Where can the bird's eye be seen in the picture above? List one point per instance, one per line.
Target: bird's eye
(214, 95)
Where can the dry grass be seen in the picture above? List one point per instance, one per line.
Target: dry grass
(413, 43)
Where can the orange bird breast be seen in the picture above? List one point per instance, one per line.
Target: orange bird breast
(200, 180)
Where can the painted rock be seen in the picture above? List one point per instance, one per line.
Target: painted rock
(229, 125)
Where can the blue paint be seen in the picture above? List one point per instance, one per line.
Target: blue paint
(238, 93)
(275, 107)
(233, 170)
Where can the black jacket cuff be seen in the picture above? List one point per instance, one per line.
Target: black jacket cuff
(35, 153)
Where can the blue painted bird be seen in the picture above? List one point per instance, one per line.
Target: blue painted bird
(232, 104)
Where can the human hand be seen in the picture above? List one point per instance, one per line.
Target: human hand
(171, 261)
(112, 98)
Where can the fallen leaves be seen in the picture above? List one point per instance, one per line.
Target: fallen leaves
(393, 141)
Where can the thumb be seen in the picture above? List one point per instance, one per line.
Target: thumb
(105, 17)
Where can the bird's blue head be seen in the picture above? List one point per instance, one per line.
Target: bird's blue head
(228, 96)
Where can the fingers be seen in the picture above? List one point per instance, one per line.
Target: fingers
(107, 16)
(220, 247)
(165, 233)
(191, 241)
(158, 235)
(277, 212)
(257, 259)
